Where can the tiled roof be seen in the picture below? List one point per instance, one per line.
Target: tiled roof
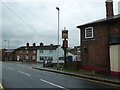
(115, 17)
(47, 47)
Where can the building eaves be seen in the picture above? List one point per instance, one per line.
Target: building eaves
(49, 47)
(53, 47)
(116, 17)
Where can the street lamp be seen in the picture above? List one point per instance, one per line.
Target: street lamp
(8, 49)
(8, 43)
(58, 35)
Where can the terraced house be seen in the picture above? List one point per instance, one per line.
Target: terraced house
(26, 53)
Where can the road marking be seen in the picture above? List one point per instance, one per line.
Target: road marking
(1, 87)
(87, 79)
(54, 84)
(24, 73)
(11, 68)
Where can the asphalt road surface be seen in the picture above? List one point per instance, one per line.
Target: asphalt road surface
(20, 75)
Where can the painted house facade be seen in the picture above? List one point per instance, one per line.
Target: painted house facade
(95, 38)
(49, 52)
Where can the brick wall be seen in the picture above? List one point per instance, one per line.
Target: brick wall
(95, 52)
(30, 55)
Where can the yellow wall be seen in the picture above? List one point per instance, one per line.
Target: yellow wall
(115, 58)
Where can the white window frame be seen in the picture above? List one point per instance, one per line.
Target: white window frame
(92, 32)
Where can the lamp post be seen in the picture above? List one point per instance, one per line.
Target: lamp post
(58, 35)
(8, 49)
(8, 43)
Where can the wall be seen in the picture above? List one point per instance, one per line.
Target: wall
(30, 55)
(54, 54)
(97, 54)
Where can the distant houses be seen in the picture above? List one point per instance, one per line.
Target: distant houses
(38, 53)
(100, 42)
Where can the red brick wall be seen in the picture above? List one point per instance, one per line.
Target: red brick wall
(97, 54)
(30, 55)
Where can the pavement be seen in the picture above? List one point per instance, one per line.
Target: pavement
(93, 76)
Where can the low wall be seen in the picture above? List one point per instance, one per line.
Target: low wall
(74, 64)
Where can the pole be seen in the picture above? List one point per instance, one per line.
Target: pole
(65, 55)
(58, 37)
(7, 50)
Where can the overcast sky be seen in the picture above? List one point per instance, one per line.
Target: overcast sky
(36, 20)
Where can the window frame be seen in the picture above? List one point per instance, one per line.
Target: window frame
(86, 33)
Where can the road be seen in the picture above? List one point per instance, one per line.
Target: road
(20, 75)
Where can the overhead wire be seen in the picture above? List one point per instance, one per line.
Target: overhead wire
(22, 20)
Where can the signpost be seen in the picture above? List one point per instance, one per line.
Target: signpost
(65, 44)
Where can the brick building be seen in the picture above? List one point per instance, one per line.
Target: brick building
(95, 36)
(26, 53)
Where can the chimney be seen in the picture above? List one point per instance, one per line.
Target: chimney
(109, 9)
(27, 44)
(34, 44)
(41, 44)
(51, 44)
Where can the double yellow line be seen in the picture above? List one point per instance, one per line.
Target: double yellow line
(1, 87)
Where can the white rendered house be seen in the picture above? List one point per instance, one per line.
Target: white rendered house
(49, 52)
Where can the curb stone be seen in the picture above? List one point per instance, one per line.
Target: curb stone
(82, 76)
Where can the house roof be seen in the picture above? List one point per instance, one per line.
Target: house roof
(10, 50)
(47, 47)
(114, 18)
(73, 51)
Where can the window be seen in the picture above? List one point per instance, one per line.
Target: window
(26, 51)
(50, 51)
(51, 58)
(41, 58)
(20, 51)
(34, 57)
(89, 32)
(40, 51)
(26, 57)
(34, 51)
